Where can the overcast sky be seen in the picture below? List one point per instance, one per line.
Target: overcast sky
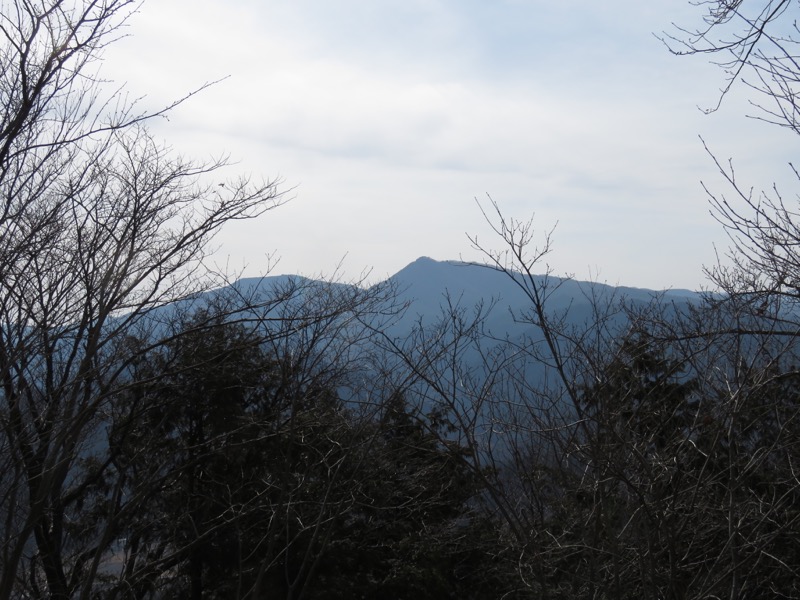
(387, 118)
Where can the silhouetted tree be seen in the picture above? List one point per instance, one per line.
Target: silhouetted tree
(99, 225)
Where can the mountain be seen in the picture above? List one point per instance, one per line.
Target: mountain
(429, 290)
(426, 284)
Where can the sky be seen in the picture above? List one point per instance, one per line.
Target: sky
(388, 124)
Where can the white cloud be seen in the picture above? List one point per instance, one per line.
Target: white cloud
(391, 117)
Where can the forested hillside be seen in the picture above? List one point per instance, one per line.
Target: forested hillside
(457, 431)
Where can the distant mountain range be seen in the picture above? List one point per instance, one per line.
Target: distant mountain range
(428, 290)
(426, 282)
(426, 286)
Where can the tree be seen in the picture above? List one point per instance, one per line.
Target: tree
(755, 45)
(414, 529)
(182, 450)
(99, 226)
(644, 452)
(221, 436)
(755, 38)
(262, 480)
(752, 327)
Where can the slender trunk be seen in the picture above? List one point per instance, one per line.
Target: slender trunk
(196, 576)
(52, 563)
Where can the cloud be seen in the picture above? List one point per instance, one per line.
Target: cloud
(391, 117)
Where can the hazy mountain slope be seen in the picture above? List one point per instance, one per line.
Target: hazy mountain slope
(427, 283)
(427, 286)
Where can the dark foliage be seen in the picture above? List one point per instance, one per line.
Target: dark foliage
(263, 484)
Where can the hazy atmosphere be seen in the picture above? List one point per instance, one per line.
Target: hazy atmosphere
(258, 338)
(388, 119)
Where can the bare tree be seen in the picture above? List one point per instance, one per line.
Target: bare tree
(754, 43)
(654, 453)
(100, 225)
(640, 451)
